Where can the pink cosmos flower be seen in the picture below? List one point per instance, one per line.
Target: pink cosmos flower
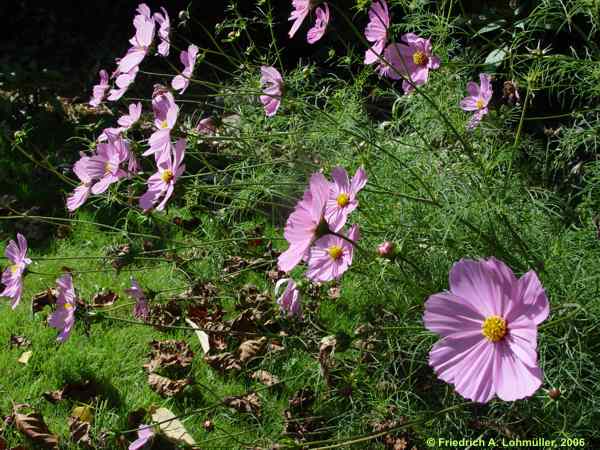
(386, 249)
(140, 310)
(304, 223)
(301, 10)
(165, 116)
(123, 81)
(207, 126)
(145, 436)
(128, 120)
(105, 165)
(144, 35)
(488, 328)
(411, 61)
(272, 85)
(63, 318)
(289, 302)
(342, 197)
(377, 30)
(82, 192)
(318, 29)
(478, 99)
(164, 28)
(331, 256)
(162, 183)
(188, 59)
(99, 90)
(12, 277)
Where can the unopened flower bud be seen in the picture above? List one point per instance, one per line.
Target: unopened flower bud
(386, 249)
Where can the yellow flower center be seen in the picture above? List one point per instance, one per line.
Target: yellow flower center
(343, 199)
(14, 268)
(480, 104)
(164, 124)
(420, 58)
(108, 167)
(68, 306)
(166, 176)
(494, 328)
(335, 251)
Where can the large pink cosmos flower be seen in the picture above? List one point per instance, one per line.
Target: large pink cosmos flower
(272, 84)
(289, 302)
(12, 277)
(188, 59)
(318, 29)
(488, 325)
(331, 256)
(164, 28)
(81, 192)
(165, 116)
(63, 318)
(145, 436)
(141, 41)
(342, 197)
(140, 310)
(123, 81)
(162, 183)
(478, 99)
(377, 30)
(99, 90)
(411, 61)
(304, 223)
(105, 165)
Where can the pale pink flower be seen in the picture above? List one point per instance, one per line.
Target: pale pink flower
(123, 81)
(12, 277)
(331, 256)
(164, 28)
(145, 436)
(140, 310)
(99, 90)
(141, 41)
(305, 223)
(377, 30)
(188, 59)
(165, 116)
(105, 165)
(386, 249)
(63, 318)
(162, 183)
(301, 10)
(478, 99)
(82, 192)
(342, 197)
(272, 85)
(207, 126)
(289, 302)
(411, 61)
(488, 328)
(318, 29)
(128, 120)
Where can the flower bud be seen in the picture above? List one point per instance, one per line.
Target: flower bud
(386, 249)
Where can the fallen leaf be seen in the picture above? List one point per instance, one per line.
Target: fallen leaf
(249, 403)
(167, 387)
(24, 358)
(171, 427)
(169, 354)
(202, 336)
(33, 426)
(83, 391)
(223, 362)
(164, 314)
(19, 341)
(79, 431)
(251, 349)
(103, 299)
(42, 299)
(266, 378)
(83, 413)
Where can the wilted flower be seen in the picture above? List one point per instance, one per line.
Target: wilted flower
(164, 28)
(99, 90)
(510, 92)
(342, 197)
(488, 327)
(478, 99)
(145, 436)
(377, 30)
(386, 249)
(165, 116)
(305, 223)
(162, 183)
(331, 256)
(12, 277)
(289, 302)
(272, 84)
(411, 61)
(318, 29)
(82, 192)
(188, 59)
(140, 310)
(63, 318)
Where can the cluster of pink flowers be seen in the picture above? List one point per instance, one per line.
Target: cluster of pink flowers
(302, 9)
(12, 277)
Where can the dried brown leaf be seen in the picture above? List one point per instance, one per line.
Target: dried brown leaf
(33, 426)
(19, 341)
(266, 378)
(167, 387)
(171, 427)
(251, 349)
(223, 362)
(42, 299)
(79, 431)
(249, 403)
(169, 354)
(103, 299)
(83, 391)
